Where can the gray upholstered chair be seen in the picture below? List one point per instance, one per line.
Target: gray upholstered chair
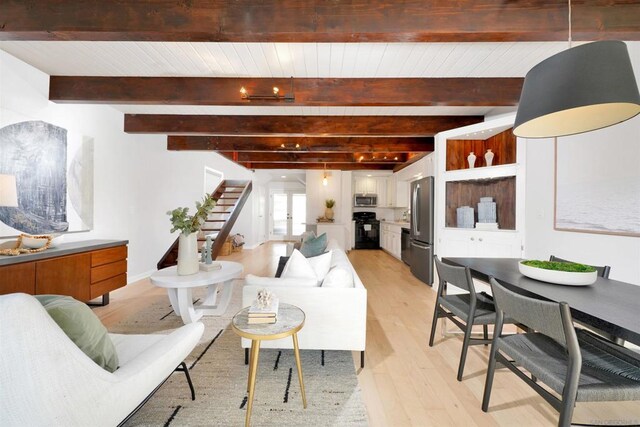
(471, 308)
(603, 271)
(576, 364)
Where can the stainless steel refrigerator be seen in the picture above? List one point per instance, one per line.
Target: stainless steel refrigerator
(422, 198)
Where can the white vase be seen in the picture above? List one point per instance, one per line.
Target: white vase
(187, 254)
(488, 157)
(328, 213)
(472, 160)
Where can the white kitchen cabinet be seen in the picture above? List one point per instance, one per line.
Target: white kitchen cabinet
(391, 239)
(381, 190)
(482, 244)
(397, 193)
(365, 185)
(391, 191)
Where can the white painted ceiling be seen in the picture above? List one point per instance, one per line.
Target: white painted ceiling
(339, 60)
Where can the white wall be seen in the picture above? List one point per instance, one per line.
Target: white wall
(136, 180)
(318, 193)
(622, 253)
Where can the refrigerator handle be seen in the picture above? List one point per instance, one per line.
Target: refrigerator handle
(416, 208)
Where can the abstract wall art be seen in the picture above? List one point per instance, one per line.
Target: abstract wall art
(54, 178)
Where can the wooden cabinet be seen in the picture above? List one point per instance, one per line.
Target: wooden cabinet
(502, 145)
(84, 275)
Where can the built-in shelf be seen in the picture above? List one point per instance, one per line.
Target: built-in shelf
(469, 192)
(489, 172)
(503, 146)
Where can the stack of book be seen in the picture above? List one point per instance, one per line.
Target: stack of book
(267, 314)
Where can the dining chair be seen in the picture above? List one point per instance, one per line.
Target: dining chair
(470, 307)
(603, 271)
(577, 365)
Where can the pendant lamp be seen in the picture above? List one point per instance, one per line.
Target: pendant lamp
(578, 90)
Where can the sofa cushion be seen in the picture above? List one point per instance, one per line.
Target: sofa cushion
(298, 266)
(313, 247)
(251, 280)
(338, 277)
(82, 327)
(321, 265)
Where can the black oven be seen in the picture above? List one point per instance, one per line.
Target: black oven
(367, 230)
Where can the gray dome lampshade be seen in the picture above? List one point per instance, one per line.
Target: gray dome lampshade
(581, 89)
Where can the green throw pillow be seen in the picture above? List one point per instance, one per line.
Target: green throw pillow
(83, 327)
(314, 247)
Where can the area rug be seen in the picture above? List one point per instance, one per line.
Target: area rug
(220, 379)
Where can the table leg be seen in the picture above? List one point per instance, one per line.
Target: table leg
(173, 298)
(214, 304)
(185, 304)
(299, 364)
(252, 379)
(251, 356)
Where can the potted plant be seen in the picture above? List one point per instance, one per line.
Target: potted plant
(189, 225)
(329, 204)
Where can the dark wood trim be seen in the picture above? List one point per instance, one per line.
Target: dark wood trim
(328, 166)
(388, 144)
(308, 92)
(317, 21)
(295, 125)
(275, 157)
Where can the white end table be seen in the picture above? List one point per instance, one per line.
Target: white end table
(179, 290)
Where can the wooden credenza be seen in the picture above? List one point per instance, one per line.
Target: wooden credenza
(83, 270)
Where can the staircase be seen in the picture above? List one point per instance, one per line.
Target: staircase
(230, 197)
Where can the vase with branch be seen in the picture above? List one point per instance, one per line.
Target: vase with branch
(329, 204)
(189, 226)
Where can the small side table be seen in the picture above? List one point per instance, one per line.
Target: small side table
(290, 321)
(179, 289)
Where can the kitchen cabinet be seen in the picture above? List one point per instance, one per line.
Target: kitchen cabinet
(391, 239)
(397, 193)
(483, 244)
(365, 185)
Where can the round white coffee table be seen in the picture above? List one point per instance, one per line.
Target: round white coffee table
(179, 289)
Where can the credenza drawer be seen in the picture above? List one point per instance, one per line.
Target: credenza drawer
(101, 288)
(106, 256)
(106, 271)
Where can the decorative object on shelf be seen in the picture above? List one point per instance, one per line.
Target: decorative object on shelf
(206, 262)
(488, 157)
(471, 158)
(486, 210)
(28, 244)
(465, 217)
(324, 219)
(189, 225)
(275, 96)
(264, 309)
(8, 191)
(560, 273)
(328, 212)
(581, 89)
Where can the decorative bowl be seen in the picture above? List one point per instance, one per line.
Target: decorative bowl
(569, 278)
(35, 242)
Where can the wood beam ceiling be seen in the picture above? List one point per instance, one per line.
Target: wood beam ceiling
(317, 21)
(308, 91)
(389, 144)
(328, 166)
(295, 125)
(275, 157)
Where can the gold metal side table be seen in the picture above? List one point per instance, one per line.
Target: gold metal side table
(290, 321)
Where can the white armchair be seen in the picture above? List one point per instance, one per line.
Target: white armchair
(45, 379)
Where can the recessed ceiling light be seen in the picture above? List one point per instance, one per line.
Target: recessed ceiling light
(283, 176)
(369, 175)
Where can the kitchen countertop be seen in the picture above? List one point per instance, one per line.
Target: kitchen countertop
(398, 223)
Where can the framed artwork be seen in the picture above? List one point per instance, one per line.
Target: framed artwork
(54, 177)
(597, 185)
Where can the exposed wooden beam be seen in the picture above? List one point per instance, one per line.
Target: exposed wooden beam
(328, 166)
(295, 125)
(412, 159)
(317, 21)
(275, 157)
(308, 92)
(301, 144)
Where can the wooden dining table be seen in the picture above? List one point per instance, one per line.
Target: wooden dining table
(609, 305)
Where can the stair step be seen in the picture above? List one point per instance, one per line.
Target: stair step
(215, 220)
(225, 204)
(210, 229)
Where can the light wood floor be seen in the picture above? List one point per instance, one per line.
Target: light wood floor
(405, 382)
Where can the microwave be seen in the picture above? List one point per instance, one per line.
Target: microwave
(365, 200)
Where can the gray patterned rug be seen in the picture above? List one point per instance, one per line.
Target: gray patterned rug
(220, 378)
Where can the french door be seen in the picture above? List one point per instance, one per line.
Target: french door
(288, 214)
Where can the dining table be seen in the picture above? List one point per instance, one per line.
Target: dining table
(611, 306)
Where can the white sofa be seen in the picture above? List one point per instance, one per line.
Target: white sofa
(336, 318)
(45, 379)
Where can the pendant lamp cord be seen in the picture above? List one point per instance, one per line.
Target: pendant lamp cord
(570, 40)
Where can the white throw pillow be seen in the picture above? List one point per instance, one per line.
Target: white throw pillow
(338, 277)
(298, 266)
(252, 280)
(321, 265)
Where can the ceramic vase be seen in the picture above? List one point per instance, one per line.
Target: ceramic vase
(488, 157)
(472, 160)
(328, 213)
(187, 254)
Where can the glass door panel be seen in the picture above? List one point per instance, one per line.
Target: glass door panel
(280, 215)
(288, 215)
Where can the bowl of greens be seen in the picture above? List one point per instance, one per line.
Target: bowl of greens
(560, 273)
